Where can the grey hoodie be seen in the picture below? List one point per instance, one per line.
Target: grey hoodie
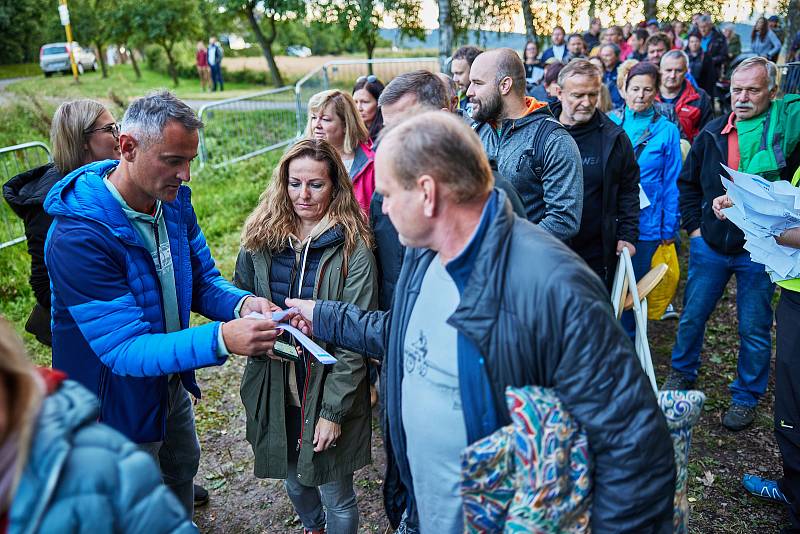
(554, 202)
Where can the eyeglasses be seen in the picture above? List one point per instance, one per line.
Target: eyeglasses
(371, 79)
(112, 128)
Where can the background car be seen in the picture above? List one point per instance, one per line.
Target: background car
(298, 51)
(54, 57)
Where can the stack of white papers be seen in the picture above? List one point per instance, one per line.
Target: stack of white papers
(764, 210)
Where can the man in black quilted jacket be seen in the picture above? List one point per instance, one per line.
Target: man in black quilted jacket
(487, 300)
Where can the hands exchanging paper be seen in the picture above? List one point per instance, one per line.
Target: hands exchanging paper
(251, 337)
(302, 317)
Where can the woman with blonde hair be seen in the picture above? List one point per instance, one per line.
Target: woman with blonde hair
(309, 423)
(333, 117)
(82, 131)
(61, 470)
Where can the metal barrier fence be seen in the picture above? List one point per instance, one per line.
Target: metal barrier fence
(15, 160)
(240, 128)
(790, 78)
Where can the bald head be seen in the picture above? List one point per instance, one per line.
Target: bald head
(502, 63)
(497, 85)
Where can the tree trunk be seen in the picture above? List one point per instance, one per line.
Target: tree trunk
(445, 33)
(592, 9)
(370, 45)
(265, 43)
(650, 9)
(173, 72)
(792, 27)
(530, 31)
(101, 57)
(132, 55)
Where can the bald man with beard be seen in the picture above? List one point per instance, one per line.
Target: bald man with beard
(529, 147)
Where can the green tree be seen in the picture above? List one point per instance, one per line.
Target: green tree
(25, 26)
(90, 25)
(165, 23)
(360, 20)
(122, 31)
(265, 14)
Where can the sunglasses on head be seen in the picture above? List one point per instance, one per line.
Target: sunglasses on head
(370, 79)
(112, 128)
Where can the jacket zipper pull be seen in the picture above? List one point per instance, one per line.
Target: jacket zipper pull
(299, 442)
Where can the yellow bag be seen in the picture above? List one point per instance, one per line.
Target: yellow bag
(660, 297)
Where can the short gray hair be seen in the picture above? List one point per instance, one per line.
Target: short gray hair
(769, 66)
(705, 19)
(425, 85)
(146, 117)
(675, 54)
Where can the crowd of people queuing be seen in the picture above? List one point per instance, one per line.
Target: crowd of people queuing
(444, 238)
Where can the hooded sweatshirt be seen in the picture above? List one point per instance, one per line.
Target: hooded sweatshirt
(553, 197)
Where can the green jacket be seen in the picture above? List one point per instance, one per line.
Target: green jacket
(767, 142)
(339, 392)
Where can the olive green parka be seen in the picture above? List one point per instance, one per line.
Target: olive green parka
(338, 392)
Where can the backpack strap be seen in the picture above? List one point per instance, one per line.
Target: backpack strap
(546, 127)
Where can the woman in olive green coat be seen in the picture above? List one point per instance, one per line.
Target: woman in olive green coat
(309, 423)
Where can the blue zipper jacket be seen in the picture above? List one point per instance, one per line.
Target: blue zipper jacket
(107, 311)
(81, 476)
(658, 152)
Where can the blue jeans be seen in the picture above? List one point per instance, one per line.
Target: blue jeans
(641, 266)
(216, 77)
(709, 272)
(178, 456)
(339, 500)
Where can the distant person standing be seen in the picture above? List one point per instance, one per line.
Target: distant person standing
(734, 41)
(460, 65)
(763, 40)
(215, 63)
(638, 46)
(701, 66)
(201, 60)
(775, 25)
(366, 92)
(534, 69)
(713, 43)
(558, 49)
(592, 37)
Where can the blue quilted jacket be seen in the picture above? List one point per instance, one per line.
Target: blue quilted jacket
(107, 313)
(84, 477)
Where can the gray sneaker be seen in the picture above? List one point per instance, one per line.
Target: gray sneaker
(738, 417)
(670, 313)
(677, 381)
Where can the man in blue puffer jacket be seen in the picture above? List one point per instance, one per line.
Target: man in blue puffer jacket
(128, 263)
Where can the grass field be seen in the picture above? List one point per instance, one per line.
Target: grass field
(122, 84)
(19, 70)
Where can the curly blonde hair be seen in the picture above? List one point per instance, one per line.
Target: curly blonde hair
(269, 225)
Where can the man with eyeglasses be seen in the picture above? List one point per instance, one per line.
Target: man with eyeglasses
(716, 248)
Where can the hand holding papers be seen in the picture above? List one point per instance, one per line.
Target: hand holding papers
(764, 210)
(280, 317)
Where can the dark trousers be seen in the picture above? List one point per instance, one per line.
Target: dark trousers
(787, 400)
(216, 77)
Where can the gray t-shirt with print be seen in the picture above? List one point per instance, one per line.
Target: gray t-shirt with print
(431, 404)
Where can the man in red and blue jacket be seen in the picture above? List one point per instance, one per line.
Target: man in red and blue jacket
(692, 105)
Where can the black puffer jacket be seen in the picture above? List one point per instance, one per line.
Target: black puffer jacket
(25, 193)
(539, 316)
